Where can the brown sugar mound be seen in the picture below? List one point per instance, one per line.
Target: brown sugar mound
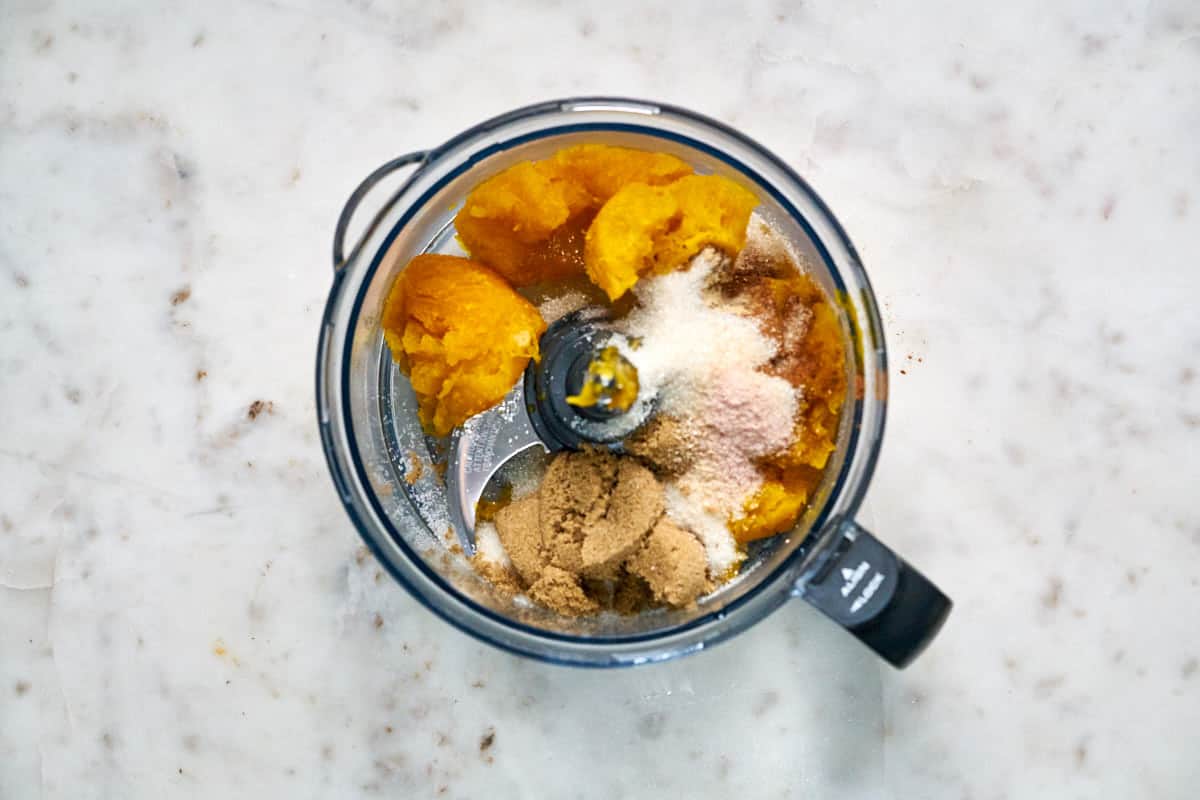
(632, 595)
(593, 537)
(559, 590)
(666, 443)
(574, 498)
(519, 531)
(634, 506)
(673, 564)
(504, 578)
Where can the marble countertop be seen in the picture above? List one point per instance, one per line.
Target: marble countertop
(186, 610)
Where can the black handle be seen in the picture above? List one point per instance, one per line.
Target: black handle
(368, 183)
(871, 592)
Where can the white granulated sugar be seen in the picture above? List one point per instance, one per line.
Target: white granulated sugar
(555, 308)
(719, 544)
(487, 544)
(683, 336)
(524, 472)
(702, 363)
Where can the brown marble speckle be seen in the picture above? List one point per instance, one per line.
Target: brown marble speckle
(21, 688)
(21, 281)
(488, 740)
(198, 39)
(201, 374)
(1053, 594)
(181, 295)
(1044, 687)
(1081, 753)
(260, 406)
(388, 766)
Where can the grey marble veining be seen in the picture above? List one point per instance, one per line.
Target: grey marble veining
(186, 611)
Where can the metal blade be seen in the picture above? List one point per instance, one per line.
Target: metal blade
(482, 445)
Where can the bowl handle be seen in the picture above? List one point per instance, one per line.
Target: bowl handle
(368, 183)
(870, 591)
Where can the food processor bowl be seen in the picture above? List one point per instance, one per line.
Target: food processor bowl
(384, 466)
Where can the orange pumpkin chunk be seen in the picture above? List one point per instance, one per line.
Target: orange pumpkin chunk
(644, 229)
(510, 221)
(461, 334)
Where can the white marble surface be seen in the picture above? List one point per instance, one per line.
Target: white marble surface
(183, 609)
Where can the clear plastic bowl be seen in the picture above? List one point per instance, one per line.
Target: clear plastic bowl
(369, 428)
